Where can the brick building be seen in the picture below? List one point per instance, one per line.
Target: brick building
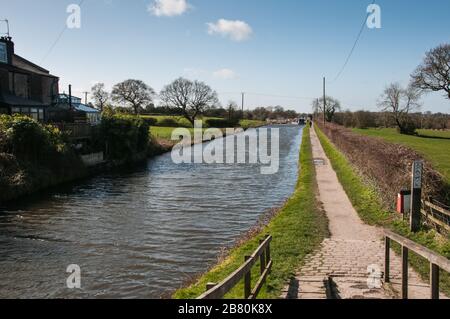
(25, 88)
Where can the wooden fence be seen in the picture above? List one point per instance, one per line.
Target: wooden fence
(436, 261)
(437, 216)
(218, 291)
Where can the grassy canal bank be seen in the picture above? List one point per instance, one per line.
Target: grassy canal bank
(297, 229)
(367, 202)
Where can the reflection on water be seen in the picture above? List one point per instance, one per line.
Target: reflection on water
(137, 234)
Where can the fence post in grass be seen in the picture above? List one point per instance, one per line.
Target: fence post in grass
(262, 259)
(210, 286)
(247, 281)
(434, 281)
(416, 196)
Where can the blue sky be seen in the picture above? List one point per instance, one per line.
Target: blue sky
(292, 44)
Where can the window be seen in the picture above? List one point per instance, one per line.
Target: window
(3, 53)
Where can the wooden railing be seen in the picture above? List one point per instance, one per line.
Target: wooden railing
(436, 261)
(437, 215)
(218, 291)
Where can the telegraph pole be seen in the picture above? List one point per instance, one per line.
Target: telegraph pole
(324, 101)
(243, 102)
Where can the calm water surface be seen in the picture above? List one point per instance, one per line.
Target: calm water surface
(140, 233)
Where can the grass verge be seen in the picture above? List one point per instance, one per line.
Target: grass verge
(297, 230)
(366, 201)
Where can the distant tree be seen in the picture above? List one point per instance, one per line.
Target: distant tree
(331, 107)
(232, 109)
(399, 103)
(133, 93)
(100, 95)
(191, 98)
(434, 73)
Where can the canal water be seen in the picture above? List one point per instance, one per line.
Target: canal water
(140, 233)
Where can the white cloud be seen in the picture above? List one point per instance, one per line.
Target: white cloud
(236, 30)
(168, 8)
(225, 74)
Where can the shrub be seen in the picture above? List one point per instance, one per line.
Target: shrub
(124, 135)
(151, 121)
(221, 123)
(29, 140)
(168, 122)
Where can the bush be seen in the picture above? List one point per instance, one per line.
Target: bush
(168, 122)
(221, 123)
(31, 141)
(151, 121)
(125, 136)
(409, 128)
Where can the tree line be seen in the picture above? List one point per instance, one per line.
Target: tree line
(182, 97)
(399, 105)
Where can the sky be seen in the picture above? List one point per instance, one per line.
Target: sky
(277, 51)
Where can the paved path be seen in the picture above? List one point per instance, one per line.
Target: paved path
(341, 267)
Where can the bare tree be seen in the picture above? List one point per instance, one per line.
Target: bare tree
(100, 95)
(434, 73)
(399, 103)
(133, 93)
(190, 97)
(331, 107)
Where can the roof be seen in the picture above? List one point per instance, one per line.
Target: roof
(24, 64)
(85, 108)
(19, 101)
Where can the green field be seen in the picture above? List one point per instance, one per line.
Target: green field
(432, 145)
(165, 133)
(297, 230)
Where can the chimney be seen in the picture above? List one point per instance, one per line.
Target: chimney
(7, 43)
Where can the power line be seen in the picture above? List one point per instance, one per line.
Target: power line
(58, 38)
(347, 60)
(269, 95)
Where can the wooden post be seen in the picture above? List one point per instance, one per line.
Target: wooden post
(247, 281)
(263, 259)
(434, 281)
(387, 261)
(210, 286)
(416, 196)
(404, 272)
(268, 257)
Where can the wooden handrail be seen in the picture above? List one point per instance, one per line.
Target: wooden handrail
(437, 208)
(218, 291)
(437, 262)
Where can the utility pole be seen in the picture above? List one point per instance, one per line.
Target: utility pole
(324, 101)
(70, 96)
(243, 101)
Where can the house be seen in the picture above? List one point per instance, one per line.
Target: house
(25, 88)
(82, 113)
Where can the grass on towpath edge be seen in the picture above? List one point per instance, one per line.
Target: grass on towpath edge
(365, 200)
(297, 230)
